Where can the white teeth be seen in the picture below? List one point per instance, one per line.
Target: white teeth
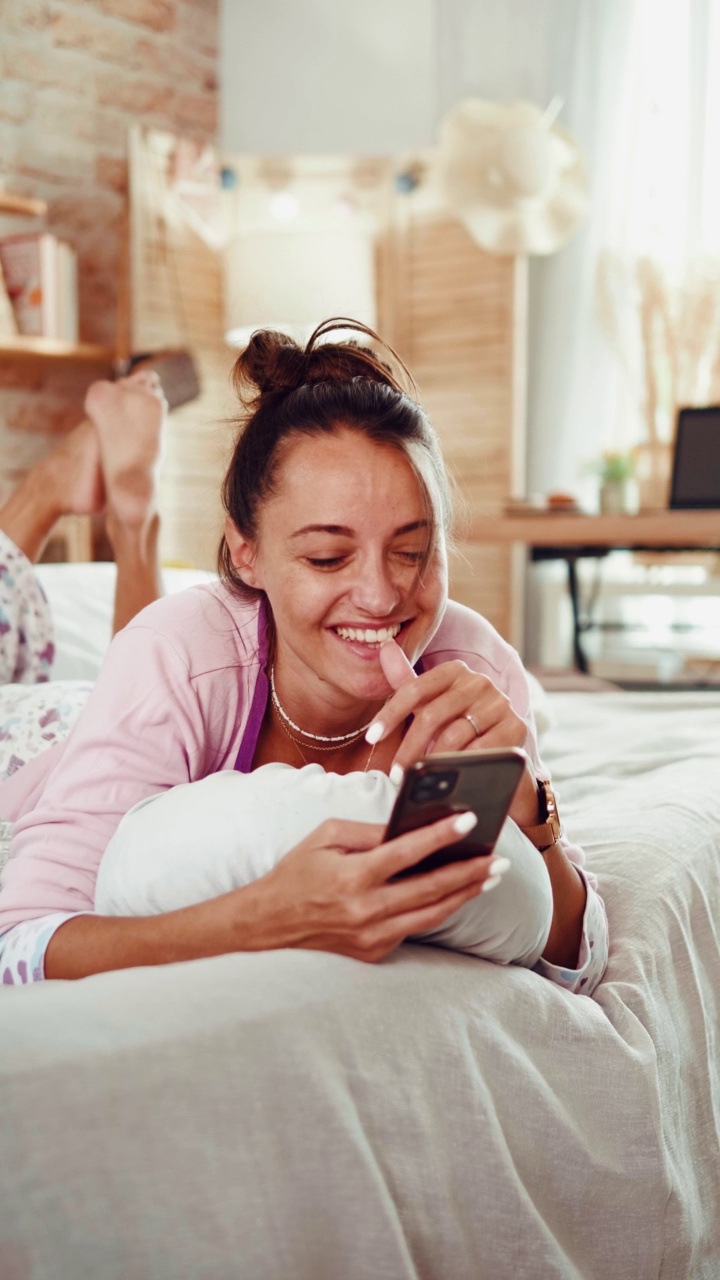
(367, 636)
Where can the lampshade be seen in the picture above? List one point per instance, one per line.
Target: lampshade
(514, 177)
(294, 277)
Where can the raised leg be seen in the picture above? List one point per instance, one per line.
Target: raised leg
(129, 416)
(67, 481)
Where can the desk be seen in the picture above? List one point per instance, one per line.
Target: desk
(561, 536)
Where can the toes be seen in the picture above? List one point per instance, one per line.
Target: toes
(147, 378)
(97, 396)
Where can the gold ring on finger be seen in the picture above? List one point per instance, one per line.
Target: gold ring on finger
(471, 720)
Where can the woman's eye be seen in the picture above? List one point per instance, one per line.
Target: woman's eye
(336, 562)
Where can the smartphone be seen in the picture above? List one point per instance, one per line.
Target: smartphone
(441, 785)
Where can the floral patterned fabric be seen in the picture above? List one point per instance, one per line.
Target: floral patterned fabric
(35, 713)
(27, 647)
(22, 949)
(35, 717)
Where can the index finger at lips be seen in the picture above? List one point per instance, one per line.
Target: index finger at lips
(410, 696)
(396, 666)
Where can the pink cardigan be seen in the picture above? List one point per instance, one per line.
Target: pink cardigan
(181, 695)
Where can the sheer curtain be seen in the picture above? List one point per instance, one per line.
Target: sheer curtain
(643, 101)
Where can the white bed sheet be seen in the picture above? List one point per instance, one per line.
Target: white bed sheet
(639, 775)
(434, 1117)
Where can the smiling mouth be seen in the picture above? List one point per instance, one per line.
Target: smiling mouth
(372, 636)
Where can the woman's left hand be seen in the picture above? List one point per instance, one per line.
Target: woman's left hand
(454, 709)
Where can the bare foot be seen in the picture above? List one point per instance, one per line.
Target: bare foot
(129, 416)
(72, 471)
(66, 481)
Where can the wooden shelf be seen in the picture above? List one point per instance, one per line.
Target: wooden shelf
(21, 347)
(650, 529)
(22, 205)
(24, 348)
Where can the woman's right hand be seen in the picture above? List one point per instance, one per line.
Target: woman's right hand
(332, 892)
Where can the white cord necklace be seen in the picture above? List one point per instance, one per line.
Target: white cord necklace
(337, 740)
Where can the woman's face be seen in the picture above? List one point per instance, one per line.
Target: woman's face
(337, 554)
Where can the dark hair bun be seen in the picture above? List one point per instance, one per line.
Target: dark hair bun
(273, 363)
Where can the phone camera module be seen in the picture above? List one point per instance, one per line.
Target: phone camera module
(434, 786)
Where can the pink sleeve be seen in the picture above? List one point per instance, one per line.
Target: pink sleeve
(141, 732)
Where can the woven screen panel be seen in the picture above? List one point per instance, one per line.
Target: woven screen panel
(456, 315)
(177, 301)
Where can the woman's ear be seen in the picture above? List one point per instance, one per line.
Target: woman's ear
(242, 552)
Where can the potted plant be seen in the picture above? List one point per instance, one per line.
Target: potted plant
(618, 487)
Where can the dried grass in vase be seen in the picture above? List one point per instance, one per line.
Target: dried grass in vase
(666, 333)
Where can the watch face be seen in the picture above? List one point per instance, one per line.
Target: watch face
(548, 830)
(552, 818)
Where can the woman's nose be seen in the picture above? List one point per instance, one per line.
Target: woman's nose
(376, 592)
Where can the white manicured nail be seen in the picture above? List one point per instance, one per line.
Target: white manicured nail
(396, 774)
(492, 882)
(498, 866)
(465, 822)
(375, 732)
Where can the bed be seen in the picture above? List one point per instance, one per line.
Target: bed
(290, 1114)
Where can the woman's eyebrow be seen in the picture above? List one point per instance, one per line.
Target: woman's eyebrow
(323, 528)
(344, 531)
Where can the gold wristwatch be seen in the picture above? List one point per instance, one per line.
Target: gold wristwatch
(549, 829)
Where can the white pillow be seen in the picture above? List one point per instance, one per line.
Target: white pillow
(204, 838)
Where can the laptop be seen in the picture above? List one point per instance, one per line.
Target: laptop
(696, 462)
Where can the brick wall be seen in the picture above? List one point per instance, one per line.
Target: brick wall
(73, 78)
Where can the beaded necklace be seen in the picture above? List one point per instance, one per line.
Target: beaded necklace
(331, 742)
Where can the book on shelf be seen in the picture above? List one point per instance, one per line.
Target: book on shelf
(8, 323)
(40, 274)
(67, 292)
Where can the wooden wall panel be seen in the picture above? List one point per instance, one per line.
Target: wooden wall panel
(456, 315)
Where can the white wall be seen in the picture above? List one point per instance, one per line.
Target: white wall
(504, 49)
(377, 77)
(327, 76)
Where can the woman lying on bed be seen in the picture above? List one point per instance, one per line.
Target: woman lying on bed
(330, 641)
